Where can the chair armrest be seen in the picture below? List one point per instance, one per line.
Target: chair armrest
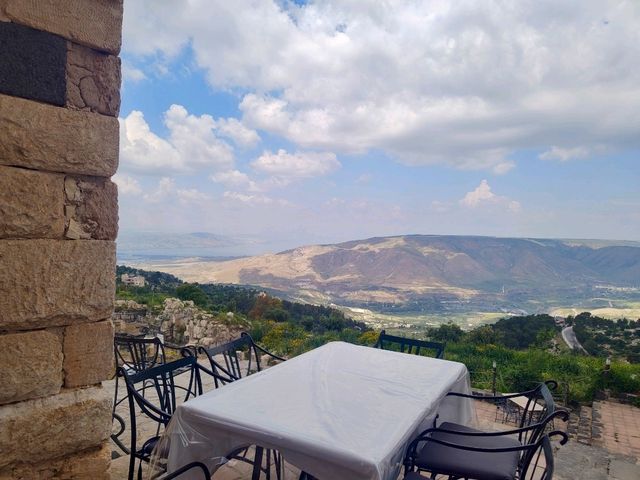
(491, 397)
(563, 414)
(149, 409)
(410, 457)
(116, 436)
(500, 433)
(263, 350)
(220, 378)
(267, 352)
(189, 351)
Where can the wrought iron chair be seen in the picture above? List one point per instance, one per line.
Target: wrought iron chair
(441, 450)
(231, 370)
(534, 461)
(138, 354)
(412, 345)
(158, 405)
(134, 354)
(506, 412)
(232, 367)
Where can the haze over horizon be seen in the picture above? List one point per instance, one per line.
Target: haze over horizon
(292, 123)
(207, 244)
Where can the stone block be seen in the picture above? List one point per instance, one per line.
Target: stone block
(91, 208)
(31, 365)
(44, 137)
(38, 430)
(92, 464)
(31, 204)
(88, 353)
(32, 64)
(94, 23)
(93, 80)
(47, 283)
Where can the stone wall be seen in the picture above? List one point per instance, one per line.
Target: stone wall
(59, 102)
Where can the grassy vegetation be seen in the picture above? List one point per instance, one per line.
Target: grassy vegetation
(524, 348)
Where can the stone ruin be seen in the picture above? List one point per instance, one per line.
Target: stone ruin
(183, 323)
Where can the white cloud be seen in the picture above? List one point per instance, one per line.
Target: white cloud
(284, 167)
(191, 146)
(463, 83)
(166, 192)
(165, 188)
(131, 73)
(191, 195)
(254, 199)
(565, 154)
(234, 178)
(127, 185)
(194, 138)
(235, 130)
(483, 196)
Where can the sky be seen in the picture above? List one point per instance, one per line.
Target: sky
(296, 123)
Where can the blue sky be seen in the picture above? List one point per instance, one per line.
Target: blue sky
(328, 121)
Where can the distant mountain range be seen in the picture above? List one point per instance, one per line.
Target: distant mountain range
(202, 244)
(431, 269)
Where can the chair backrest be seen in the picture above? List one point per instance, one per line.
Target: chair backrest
(540, 410)
(138, 354)
(156, 394)
(230, 365)
(539, 461)
(409, 345)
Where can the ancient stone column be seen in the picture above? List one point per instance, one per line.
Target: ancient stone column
(59, 102)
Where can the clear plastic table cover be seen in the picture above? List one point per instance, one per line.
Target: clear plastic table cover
(340, 411)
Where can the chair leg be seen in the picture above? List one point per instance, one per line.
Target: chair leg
(257, 464)
(268, 470)
(132, 465)
(277, 462)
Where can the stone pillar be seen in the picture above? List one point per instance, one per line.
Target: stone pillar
(59, 103)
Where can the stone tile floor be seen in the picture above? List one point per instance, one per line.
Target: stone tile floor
(617, 428)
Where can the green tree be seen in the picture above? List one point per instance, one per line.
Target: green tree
(193, 292)
(447, 332)
(485, 335)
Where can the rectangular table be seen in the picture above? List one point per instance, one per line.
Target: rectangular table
(340, 411)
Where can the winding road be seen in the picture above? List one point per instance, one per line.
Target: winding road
(569, 337)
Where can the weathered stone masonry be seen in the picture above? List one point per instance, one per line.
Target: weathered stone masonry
(59, 102)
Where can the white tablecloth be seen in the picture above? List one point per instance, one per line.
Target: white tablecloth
(337, 412)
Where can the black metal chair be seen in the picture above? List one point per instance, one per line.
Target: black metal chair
(158, 404)
(134, 354)
(506, 411)
(441, 450)
(138, 354)
(232, 368)
(412, 345)
(229, 369)
(534, 461)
